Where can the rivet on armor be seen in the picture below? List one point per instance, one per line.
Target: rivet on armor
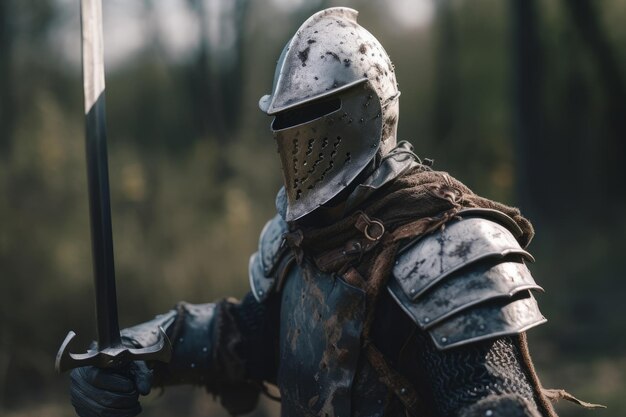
(444, 340)
(412, 291)
(193, 365)
(205, 349)
(426, 320)
(403, 391)
(260, 292)
(181, 340)
(488, 413)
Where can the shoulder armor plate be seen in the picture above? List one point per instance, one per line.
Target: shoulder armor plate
(263, 264)
(445, 251)
(467, 281)
(465, 289)
(488, 321)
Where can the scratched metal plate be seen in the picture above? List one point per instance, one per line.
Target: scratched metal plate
(259, 284)
(320, 342)
(445, 251)
(488, 321)
(270, 243)
(464, 289)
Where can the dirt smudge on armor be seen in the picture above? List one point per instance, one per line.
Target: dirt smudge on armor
(388, 125)
(363, 48)
(304, 55)
(334, 55)
(314, 290)
(462, 250)
(294, 339)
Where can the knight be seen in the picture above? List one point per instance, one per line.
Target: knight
(381, 286)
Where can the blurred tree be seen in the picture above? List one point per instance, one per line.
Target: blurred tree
(446, 95)
(571, 134)
(7, 102)
(527, 114)
(585, 16)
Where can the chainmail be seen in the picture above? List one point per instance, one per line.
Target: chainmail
(460, 377)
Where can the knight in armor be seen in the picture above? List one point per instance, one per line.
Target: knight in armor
(381, 286)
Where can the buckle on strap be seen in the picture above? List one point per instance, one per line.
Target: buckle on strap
(373, 229)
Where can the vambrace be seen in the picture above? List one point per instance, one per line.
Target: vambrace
(205, 342)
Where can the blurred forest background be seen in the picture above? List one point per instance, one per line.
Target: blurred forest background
(523, 100)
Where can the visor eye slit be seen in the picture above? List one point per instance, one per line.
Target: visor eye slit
(305, 113)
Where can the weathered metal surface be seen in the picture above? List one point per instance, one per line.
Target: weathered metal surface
(443, 252)
(194, 346)
(334, 99)
(320, 340)
(321, 157)
(146, 334)
(494, 215)
(461, 290)
(370, 394)
(194, 342)
(328, 53)
(487, 321)
(260, 285)
(271, 242)
(399, 160)
(262, 264)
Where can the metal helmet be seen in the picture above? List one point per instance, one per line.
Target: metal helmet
(335, 104)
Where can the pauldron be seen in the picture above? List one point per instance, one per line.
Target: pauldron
(467, 281)
(271, 262)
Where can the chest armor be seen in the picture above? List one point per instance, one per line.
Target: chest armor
(320, 342)
(462, 284)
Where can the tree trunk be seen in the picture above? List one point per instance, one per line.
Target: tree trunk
(585, 18)
(7, 102)
(527, 87)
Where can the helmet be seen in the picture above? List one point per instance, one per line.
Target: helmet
(335, 104)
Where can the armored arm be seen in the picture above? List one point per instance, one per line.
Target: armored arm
(468, 290)
(229, 347)
(222, 346)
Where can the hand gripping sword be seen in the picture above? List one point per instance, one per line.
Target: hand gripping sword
(110, 352)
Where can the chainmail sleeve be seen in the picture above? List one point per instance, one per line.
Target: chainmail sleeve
(462, 377)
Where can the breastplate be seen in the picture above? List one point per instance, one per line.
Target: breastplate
(320, 341)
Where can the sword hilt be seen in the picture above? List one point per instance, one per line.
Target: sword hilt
(113, 356)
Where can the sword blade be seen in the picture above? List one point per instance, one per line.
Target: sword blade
(98, 175)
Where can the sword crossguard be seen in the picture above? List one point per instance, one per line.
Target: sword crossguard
(111, 357)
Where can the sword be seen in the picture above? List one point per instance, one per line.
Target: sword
(110, 351)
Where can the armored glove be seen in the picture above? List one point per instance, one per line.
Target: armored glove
(110, 392)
